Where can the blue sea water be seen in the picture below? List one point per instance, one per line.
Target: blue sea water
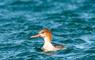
(72, 23)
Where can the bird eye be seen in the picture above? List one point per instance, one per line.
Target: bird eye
(42, 32)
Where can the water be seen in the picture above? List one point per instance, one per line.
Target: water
(72, 23)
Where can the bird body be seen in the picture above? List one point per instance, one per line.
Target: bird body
(47, 36)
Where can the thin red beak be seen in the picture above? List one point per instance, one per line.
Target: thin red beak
(38, 35)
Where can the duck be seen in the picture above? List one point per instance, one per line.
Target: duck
(47, 36)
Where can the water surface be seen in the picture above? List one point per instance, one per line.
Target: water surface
(72, 23)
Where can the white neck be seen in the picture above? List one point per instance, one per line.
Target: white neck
(47, 44)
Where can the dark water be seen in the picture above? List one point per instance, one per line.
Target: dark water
(72, 23)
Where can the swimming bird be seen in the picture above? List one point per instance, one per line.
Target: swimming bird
(47, 36)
